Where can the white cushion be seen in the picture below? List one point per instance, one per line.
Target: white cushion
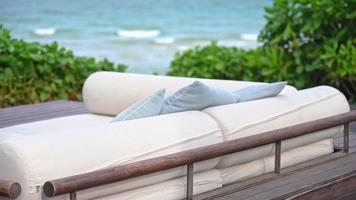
(249, 118)
(242, 172)
(261, 166)
(173, 189)
(213, 179)
(111, 92)
(301, 154)
(37, 152)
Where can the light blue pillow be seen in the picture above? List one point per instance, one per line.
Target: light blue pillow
(196, 96)
(259, 91)
(146, 107)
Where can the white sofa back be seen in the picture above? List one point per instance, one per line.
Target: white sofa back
(249, 118)
(37, 152)
(109, 93)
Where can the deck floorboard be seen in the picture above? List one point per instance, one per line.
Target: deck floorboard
(293, 180)
(42, 111)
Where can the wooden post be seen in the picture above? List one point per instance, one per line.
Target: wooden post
(346, 137)
(9, 189)
(190, 174)
(277, 157)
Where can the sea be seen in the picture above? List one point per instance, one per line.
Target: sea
(143, 34)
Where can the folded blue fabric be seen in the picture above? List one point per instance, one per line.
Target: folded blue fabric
(196, 96)
(146, 107)
(259, 91)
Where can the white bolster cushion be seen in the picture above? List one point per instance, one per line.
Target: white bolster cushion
(173, 189)
(301, 154)
(33, 158)
(109, 93)
(249, 118)
(288, 158)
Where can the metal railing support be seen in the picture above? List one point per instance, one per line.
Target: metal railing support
(190, 174)
(277, 157)
(73, 196)
(346, 137)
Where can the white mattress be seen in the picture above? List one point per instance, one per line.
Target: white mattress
(261, 166)
(212, 179)
(172, 189)
(37, 152)
(111, 92)
(253, 117)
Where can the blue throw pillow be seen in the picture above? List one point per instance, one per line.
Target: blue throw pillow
(146, 107)
(196, 96)
(259, 91)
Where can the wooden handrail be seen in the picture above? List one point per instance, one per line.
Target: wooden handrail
(9, 189)
(114, 174)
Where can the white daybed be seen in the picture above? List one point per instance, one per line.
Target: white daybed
(34, 153)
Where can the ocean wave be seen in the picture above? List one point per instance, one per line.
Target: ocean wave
(164, 40)
(138, 33)
(45, 31)
(183, 47)
(247, 36)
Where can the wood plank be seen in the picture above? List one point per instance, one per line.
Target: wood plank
(41, 108)
(301, 179)
(42, 111)
(349, 197)
(340, 142)
(342, 187)
(253, 182)
(30, 107)
(48, 113)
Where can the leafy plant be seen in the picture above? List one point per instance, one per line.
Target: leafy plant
(31, 72)
(318, 38)
(305, 42)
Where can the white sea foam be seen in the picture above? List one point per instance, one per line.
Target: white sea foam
(164, 40)
(246, 36)
(183, 47)
(138, 33)
(234, 43)
(45, 31)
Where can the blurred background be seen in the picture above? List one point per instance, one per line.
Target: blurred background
(142, 34)
(49, 47)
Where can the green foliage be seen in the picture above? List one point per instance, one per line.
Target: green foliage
(211, 62)
(33, 72)
(305, 42)
(221, 62)
(318, 38)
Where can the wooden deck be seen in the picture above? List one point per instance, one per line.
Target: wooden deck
(329, 177)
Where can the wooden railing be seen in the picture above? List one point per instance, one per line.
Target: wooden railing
(75, 183)
(9, 189)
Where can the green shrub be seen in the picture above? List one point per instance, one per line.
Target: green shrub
(305, 42)
(318, 38)
(212, 61)
(33, 72)
(221, 62)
